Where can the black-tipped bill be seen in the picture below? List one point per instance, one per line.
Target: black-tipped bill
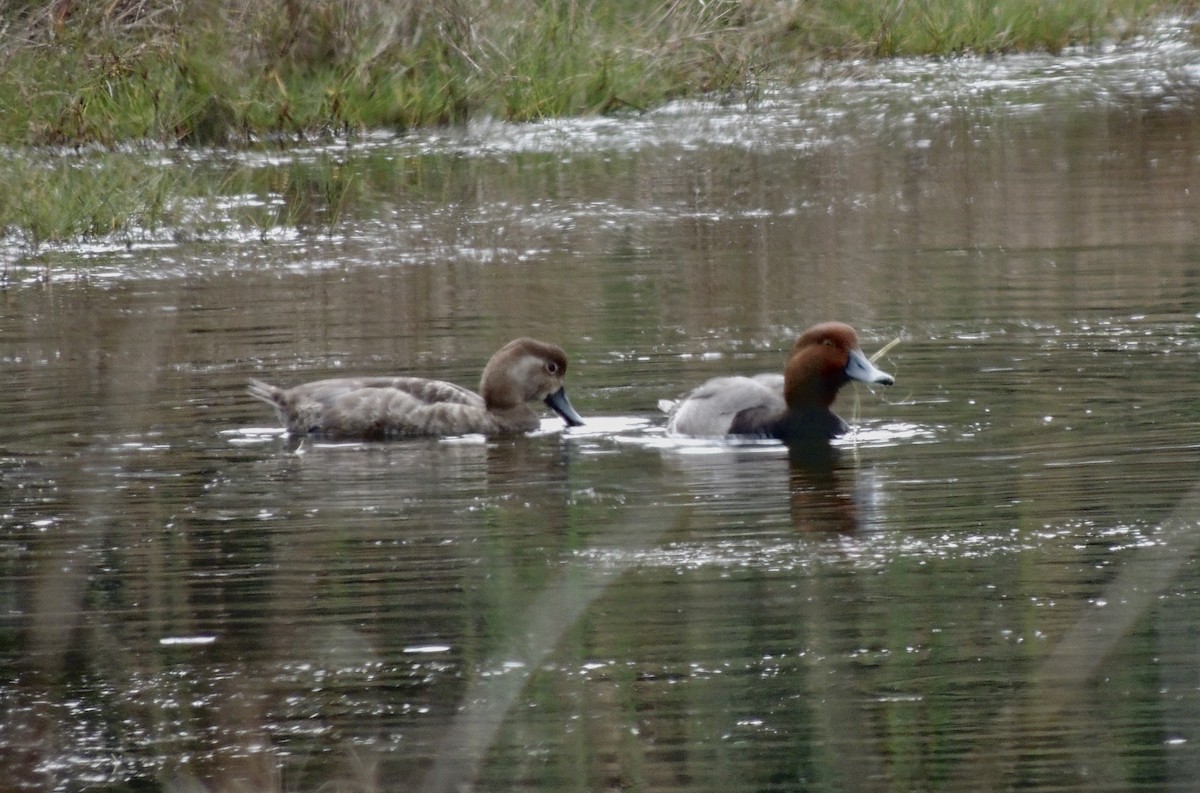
(559, 403)
(862, 370)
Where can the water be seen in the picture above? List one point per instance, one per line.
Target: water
(993, 585)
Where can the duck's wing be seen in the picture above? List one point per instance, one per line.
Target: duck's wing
(773, 381)
(728, 406)
(378, 407)
(419, 389)
(382, 413)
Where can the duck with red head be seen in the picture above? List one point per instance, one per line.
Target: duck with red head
(794, 406)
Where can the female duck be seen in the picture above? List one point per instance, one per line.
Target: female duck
(792, 407)
(378, 408)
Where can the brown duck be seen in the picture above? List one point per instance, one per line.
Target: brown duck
(383, 408)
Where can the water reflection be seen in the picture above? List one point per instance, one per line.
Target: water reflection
(820, 482)
(989, 583)
(824, 492)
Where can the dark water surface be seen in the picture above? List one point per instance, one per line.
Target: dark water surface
(992, 587)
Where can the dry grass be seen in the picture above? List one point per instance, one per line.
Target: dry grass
(227, 71)
(115, 73)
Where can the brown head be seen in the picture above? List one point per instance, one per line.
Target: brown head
(823, 359)
(525, 370)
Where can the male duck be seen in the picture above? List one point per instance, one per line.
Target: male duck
(793, 406)
(379, 408)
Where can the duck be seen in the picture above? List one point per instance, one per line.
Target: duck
(387, 408)
(793, 406)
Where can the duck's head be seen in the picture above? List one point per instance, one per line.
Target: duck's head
(825, 358)
(525, 370)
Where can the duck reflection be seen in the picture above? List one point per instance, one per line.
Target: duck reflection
(822, 489)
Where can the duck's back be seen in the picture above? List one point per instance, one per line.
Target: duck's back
(729, 406)
(385, 407)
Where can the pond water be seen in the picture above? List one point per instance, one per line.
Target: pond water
(992, 586)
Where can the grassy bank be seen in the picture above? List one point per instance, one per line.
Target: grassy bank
(52, 196)
(105, 75)
(79, 71)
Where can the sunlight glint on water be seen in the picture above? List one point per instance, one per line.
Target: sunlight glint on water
(990, 586)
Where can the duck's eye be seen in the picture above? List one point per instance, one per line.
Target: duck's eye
(551, 367)
(827, 342)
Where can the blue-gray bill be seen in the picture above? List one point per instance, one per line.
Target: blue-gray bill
(860, 369)
(559, 403)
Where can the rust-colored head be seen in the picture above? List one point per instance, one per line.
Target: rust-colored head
(823, 359)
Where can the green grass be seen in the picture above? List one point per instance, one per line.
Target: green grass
(232, 71)
(67, 198)
(76, 73)
(54, 196)
(950, 27)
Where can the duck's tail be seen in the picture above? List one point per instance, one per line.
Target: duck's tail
(265, 392)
